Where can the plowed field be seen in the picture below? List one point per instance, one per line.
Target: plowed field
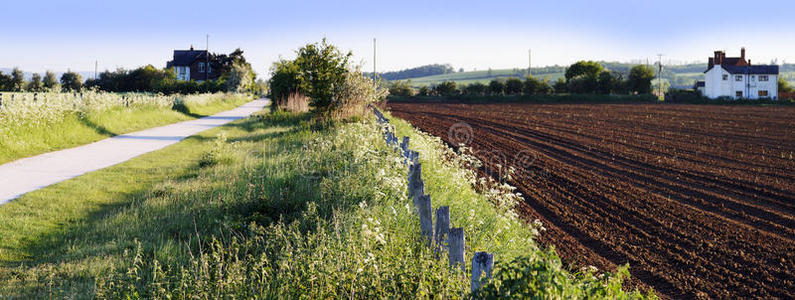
(698, 199)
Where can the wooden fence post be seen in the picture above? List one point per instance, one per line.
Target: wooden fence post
(416, 186)
(442, 228)
(425, 210)
(455, 244)
(482, 262)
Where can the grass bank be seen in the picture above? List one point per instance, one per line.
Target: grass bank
(29, 136)
(273, 206)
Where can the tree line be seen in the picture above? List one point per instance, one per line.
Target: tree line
(421, 71)
(234, 73)
(583, 77)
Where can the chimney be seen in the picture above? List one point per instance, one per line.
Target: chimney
(711, 63)
(191, 47)
(742, 53)
(718, 57)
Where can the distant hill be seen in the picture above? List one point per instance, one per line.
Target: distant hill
(676, 76)
(421, 71)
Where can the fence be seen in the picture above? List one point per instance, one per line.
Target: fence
(439, 236)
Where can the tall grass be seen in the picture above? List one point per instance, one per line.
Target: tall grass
(33, 123)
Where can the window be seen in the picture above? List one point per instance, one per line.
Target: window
(739, 94)
(738, 78)
(753, 77)
(182, 70)
(762, 93)
(201, 67)
(763, 78)
(725, 77)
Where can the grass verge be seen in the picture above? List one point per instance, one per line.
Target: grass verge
(75, 129)
(273, 206)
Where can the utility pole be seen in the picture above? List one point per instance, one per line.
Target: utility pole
(207, 60)
(374, 69)
(529, 62)
(96, 66)
(659, 77)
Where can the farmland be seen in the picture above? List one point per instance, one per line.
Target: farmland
(697, 199)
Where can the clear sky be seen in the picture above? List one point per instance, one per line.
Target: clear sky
(37, 35)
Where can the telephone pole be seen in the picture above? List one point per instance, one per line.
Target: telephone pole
(96, 66)
(374, 69)
(529, 62)
(659, 77)
(207, 60)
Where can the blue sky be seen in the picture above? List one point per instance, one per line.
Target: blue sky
(60, 35)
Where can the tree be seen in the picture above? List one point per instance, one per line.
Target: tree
(560, 86)
(639, 80)
(496, 87)
(285, 80)
(17, 80)
(531, 85)
(513, 86)
(71, 82)
(5, 82)
(401, 88)
(476, 89)
(608, 82)
(424, 91)
(447, 88)
(35, 84)
(582, 84)
(50, 82)
(784, 86)
(584, 68)
(241, 78)
(322, 66)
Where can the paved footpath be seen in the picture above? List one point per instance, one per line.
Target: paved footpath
(33, 173)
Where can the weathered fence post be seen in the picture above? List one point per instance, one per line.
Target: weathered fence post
(425, 210)
(455, 244)
(442, 228)
(416, 186)
(482, 262)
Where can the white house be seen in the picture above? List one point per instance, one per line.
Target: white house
(736, 78)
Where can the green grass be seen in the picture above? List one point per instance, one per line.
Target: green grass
(29, 139)
(478, 76)
(274, 206)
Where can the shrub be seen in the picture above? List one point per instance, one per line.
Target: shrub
(475, 89)
(423, 91)
(350, 98)
(401, 88)
(513, 86)
(496, 87)
(323, 67)
(447, 88)
(639, 80)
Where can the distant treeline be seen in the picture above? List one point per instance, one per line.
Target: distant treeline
(235, 75)
(583, 77)
(422, 71)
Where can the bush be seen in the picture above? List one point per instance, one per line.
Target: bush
(446, 89)
(513, 86)
(496, 87)
(401, 88)
(475, 89)
(323, 67)
(351, 97)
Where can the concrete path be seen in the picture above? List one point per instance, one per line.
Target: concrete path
(30, 174)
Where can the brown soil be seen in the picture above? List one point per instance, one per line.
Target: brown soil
(697, 199)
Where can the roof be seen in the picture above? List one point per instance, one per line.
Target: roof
(186, 57)
(760, 69)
